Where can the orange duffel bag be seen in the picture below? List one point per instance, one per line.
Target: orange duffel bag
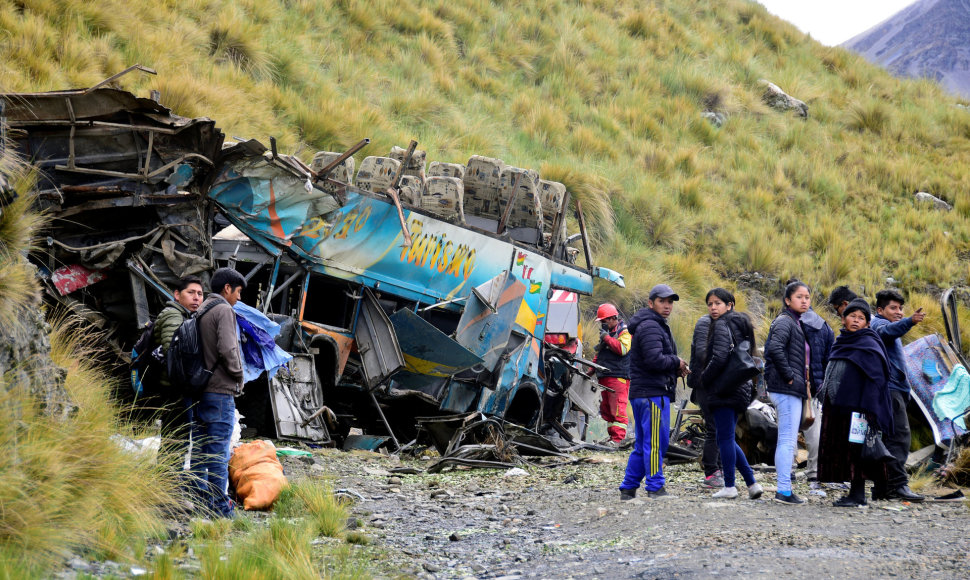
(256, 474)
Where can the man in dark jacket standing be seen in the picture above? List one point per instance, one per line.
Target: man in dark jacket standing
(891, 326)
(654, 368)
(820, 338)
(188, 296)
(214, 412)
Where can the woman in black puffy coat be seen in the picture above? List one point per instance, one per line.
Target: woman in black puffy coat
(728, 330)
(787, 371)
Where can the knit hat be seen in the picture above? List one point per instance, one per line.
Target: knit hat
(858, 304)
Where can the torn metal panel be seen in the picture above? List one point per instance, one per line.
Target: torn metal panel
(528, 442)
(490, 311)
(73, 277)
(341, 341)
(295, 396)
(377, 342)
(584, 393)
(427, 350)
(364, 442)
(267, 195)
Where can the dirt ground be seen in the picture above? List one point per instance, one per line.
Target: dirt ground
(567, 522)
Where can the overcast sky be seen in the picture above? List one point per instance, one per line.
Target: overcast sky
(833, 22)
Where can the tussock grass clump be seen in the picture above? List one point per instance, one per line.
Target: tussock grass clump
(327, 514)
(64, 485)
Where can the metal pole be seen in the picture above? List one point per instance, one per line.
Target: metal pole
(397, 446)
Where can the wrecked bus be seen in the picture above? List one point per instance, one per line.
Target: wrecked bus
(403, 290)
(399, 309)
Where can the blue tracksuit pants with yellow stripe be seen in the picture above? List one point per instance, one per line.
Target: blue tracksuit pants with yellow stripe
(651, 417)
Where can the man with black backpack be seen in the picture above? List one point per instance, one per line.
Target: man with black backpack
(169, 398)
(214, 408)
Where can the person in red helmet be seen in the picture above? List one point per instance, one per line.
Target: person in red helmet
(611, 352)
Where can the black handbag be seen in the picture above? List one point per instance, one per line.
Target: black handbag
(739, 369)
(874, 449)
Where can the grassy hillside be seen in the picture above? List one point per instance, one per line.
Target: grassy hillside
(605, 96)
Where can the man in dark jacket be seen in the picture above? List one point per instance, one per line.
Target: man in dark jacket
(214, 412)
(820, 338)
(654, 368)
(840, 298)
(612, 353)
(188, 296)
(890, 325)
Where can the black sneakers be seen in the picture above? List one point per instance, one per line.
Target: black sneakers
(626, 494)
(788, 499)
(662, 492)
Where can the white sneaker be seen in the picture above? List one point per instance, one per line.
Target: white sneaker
(727, 493)
(755, 491)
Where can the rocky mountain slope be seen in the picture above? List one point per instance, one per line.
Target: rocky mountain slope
(930, 38)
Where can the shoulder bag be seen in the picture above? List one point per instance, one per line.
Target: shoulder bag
(739, 369)
(808, 412)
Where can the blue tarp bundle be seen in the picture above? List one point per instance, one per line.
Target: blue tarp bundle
(260, 352)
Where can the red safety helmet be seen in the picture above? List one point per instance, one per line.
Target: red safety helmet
(606, 311)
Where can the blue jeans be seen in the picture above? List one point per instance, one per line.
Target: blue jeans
(651, 417)
(725, 419)
(213, 417)
(789, 409)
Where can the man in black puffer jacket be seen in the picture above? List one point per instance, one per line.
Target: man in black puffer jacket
(654, 368)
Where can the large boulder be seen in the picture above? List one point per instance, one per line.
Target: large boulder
(923, 197)
(778, 99)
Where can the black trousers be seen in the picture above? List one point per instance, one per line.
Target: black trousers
(710, 457)
(898, 441)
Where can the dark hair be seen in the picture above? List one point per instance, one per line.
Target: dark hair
(184, 282)
(841, 294)
(224, 276)
(794, 286)
(860, 305)
(884, 297)
(791, 281)
(722, 294)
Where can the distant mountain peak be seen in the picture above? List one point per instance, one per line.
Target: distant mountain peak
(929, 38)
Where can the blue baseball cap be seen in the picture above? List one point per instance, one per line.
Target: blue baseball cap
(663, 291)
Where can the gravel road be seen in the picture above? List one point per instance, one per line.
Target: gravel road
(568, 522)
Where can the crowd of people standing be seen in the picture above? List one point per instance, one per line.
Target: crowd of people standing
(853, 384)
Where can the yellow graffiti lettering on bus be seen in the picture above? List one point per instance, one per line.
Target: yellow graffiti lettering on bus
(435, 252)
(469, 264)
(314, 227)
(362, 219)
(443, 259)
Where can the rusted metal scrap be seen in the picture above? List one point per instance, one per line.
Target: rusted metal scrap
(121, 178)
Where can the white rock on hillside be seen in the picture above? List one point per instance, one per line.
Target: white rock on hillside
(923, 197)
(778, 99)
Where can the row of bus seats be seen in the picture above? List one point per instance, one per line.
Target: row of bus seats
(476, 194)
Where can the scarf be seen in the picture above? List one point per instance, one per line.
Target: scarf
(865, 383)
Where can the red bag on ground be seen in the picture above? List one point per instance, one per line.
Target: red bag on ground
(256, 474)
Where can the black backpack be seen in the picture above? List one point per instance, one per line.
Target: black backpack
(186, 363)
(147, 362)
